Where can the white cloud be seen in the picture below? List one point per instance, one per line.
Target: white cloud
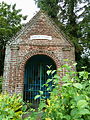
(28, 7)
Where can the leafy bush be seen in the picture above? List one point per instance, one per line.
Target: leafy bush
(11, 107)
(70, 97)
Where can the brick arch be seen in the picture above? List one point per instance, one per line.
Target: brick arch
(20, 72)
(49, 54)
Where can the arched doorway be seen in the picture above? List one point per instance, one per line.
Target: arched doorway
(35, 76)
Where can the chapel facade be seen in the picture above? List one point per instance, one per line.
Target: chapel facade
(39, 44)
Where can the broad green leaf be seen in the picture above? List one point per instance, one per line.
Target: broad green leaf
(84, 67)
(84, 112)
(74, 64)
(42, 105)
(77, 85)
(67, 84)
(49, 72)
(66, 78)
(66, 117)
(83, 74)
(46, 85)
(78, 97)
(49, 66)
(37, 96)
(56, 77)
(53, 72)
(66, 60)
(59, 69)
(67, 66)
(41, 92)
(49, 80)
(74, 112)
(82, 104)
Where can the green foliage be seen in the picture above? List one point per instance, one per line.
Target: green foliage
(84, 26)
(51, 6)
(11, 107)
(73, 17)
(70, 97)
(10, 21)
(85, 61)
(10, 24)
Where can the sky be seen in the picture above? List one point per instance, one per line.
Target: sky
(28, 7)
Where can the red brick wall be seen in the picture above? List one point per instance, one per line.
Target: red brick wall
(22, 48)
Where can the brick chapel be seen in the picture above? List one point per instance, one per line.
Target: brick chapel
(39, 44)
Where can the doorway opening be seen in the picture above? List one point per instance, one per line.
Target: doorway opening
(35, 76)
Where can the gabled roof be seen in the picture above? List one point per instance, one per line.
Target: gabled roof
(33, 21)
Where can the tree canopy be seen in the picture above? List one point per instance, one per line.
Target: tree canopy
(73, 17)
(10, 24)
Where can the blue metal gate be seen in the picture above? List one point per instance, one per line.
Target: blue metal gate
(35, 76)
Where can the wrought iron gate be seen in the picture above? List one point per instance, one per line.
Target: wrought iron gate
(35, 76)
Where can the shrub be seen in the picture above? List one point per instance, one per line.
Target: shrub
(11, 107)
(69, 100)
